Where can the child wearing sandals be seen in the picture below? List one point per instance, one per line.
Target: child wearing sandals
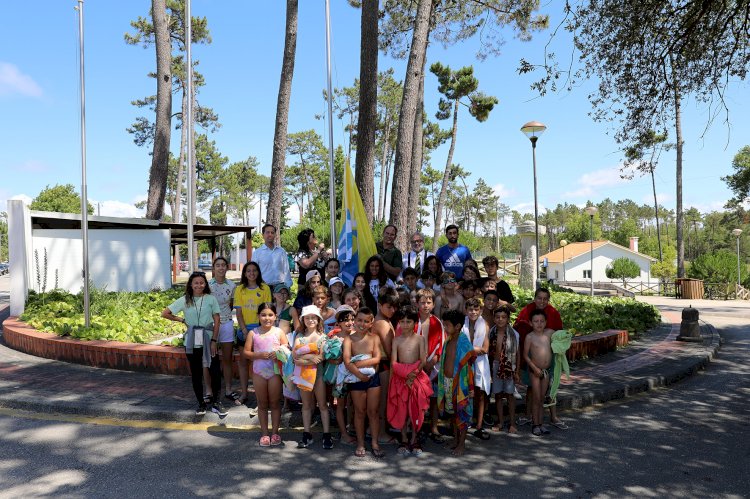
(537, 351)
(308, 375)
(260, 347)
(506, 359)
(345, 320)
(366, 392)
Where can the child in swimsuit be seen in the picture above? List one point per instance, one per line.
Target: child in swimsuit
(260, 347)
(538, 354)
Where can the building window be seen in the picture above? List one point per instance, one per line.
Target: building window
(587, 274)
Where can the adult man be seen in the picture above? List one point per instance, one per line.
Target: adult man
(453, 255)
(272, 259)
(391, 255)
(415, 258)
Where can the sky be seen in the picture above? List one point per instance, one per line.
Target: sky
(577, 160)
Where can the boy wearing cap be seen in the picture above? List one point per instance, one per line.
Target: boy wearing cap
(333, 352)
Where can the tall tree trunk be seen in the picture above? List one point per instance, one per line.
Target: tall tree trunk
(388, 166)
(383, 175)
(157, 179)
(278, 160)
(415, 179)
(679, 222)
(407, 115)
(367, 121)
(446, 178)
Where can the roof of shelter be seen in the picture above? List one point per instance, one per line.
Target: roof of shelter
(177, 231)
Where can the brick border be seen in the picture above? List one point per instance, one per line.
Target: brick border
(594, 344)
(97, 353)
(171, 360)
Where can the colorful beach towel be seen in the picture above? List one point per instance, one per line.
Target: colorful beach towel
(333, 348)
(304, 376)
(482, 373)
(408, 401)
(461, 395)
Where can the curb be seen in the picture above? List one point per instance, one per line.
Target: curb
(620, 387)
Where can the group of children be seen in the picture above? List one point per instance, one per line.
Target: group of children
(416, 357)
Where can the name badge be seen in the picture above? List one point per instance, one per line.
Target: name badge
(198, 337)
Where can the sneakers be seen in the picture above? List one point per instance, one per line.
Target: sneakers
(560, 425)
(275, 439)
(327, 441)
(307, 439)
(522, 421)
(219, 409)
(537, 431)
(201, 410)
(545, 430)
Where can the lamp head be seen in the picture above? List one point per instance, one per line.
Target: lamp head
(563, 242)
(591, 210)
(533, 130)
(737, 232)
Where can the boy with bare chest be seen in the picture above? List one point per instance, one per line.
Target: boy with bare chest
(537, 351)
(410, 388)
(362, 349)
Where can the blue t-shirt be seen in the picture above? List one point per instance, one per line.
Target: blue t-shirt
(453, 258)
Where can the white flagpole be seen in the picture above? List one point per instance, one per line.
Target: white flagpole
(188, 122)
(331, 185)
(84, 195)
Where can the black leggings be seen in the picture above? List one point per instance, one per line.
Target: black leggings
(195, 360)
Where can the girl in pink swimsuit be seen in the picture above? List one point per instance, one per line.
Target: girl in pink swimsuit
(260, 347)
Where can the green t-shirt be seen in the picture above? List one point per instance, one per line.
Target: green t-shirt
(200, 313)
(391, 256)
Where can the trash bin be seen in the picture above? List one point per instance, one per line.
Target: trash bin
(692, 289)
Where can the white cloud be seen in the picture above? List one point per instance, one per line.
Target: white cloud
(503, 192)
(527, 208)
(661, 198)
(13, 81)
(112, 208)
(592, 182)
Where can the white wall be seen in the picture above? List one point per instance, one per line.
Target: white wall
(119, 260)
(603, 256)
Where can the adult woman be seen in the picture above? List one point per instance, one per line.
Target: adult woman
(248, 296)
(310, 255)
(432, 264)
(201, 314)
(223, 290)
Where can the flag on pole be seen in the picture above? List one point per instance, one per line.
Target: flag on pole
(356, 243)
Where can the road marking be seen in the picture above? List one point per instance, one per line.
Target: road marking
(157, 425)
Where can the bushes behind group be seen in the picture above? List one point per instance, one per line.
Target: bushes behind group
(583, 314)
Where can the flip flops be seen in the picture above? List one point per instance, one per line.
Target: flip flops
(377, 453)
(482, 434)
(265, 441)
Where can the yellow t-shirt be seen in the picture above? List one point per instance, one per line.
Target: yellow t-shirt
(247, 300)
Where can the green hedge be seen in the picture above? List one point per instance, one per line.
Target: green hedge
(583, 314)
(136, 317)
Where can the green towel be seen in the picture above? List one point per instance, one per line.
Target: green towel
(560, 344)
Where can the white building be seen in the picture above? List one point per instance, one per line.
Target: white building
(572, 263)
(125, 254)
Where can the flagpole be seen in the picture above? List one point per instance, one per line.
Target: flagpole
(84, 194)
(188, 123)
(331, 185)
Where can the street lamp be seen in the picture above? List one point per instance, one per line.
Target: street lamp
(736, 233)
(563, 243)
(533, 130)
(591, 211)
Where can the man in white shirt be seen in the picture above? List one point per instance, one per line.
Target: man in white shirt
(272, 259)
(416, 257)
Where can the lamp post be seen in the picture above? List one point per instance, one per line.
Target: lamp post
(591, 211)
(563, 243)
(736, 233)
(533, 130)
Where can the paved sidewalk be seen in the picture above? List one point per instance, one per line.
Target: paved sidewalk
(41, 385)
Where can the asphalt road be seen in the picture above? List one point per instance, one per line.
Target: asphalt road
(686, 441)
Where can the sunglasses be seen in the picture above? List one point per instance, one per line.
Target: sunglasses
(449, 281)
(417, 241)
